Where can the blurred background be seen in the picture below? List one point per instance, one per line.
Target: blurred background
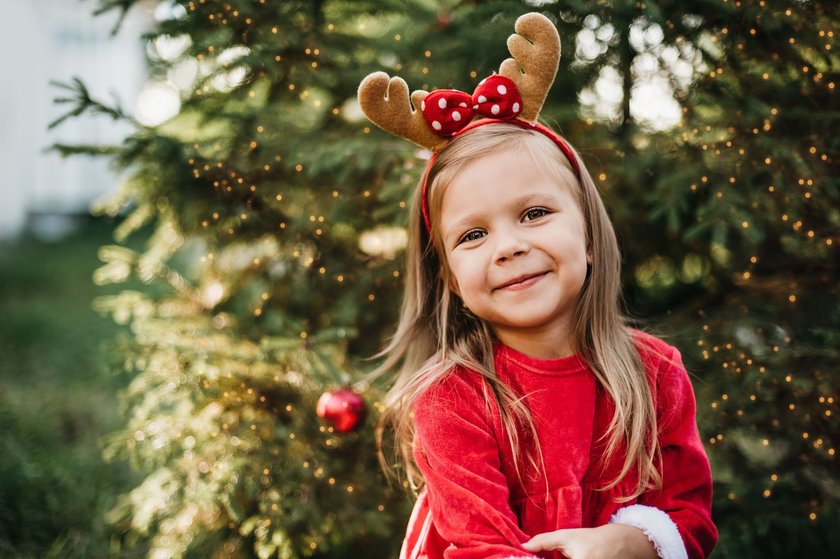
(201, 238)
(58, 386)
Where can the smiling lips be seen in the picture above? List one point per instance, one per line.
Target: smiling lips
(521, 282)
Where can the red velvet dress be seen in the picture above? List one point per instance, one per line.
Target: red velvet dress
(474, 507)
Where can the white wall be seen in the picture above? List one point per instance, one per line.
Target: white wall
(55, 40)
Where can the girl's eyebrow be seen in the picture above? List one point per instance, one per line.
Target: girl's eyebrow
(534, 198)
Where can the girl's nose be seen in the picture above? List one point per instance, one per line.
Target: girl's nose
(510, 245)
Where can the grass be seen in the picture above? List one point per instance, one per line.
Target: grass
(58, 398)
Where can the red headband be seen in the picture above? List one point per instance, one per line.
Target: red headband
(558, 141)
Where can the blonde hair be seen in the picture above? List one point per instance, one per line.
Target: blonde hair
(435, 334)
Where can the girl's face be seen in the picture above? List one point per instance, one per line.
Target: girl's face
(515, 244)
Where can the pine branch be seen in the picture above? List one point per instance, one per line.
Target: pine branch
(106, 6)
(66, 150)
(80, 96)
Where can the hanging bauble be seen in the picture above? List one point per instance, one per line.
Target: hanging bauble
(344, 410)
(443, 20)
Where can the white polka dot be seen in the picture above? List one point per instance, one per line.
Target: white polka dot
(482, 99)
(516, 107)
(501, 89)
(462, 105)
(422, 105)
(436, 125)
(442, 103)
(494, 109)
(456, 116)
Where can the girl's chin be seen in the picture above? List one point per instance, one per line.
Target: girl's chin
(550, 326)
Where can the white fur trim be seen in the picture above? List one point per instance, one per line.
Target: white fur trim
(657, 526)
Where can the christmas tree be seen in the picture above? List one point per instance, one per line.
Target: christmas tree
(276, 219)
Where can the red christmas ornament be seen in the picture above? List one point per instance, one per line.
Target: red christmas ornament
(344, 410)
(444, 20)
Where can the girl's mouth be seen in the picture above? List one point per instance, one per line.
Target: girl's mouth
(522, 282)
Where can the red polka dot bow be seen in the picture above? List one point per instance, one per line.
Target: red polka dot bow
(448, 110)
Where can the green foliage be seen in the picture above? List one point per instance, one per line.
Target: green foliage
(260, 293)
(57, 398)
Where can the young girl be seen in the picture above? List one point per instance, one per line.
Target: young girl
(539, 422)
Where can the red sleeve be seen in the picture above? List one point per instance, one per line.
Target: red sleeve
(456, 449)
(686, 493)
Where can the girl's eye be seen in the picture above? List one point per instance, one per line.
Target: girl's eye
(472, 236)
(535, 213)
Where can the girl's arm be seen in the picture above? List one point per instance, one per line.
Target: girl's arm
(456, 449)
(681, 509)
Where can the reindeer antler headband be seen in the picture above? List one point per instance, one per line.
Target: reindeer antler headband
(514, 95)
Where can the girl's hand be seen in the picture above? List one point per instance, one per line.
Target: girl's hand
(611, 541)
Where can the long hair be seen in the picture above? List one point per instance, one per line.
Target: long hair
(436, 335)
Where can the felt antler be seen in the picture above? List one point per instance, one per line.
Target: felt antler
(536, 56)
(385, 102)
(518, 92)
